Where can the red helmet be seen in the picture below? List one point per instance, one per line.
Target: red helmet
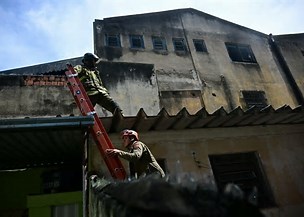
(129, 133)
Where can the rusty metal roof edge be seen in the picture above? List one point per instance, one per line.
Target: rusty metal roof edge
(201, 115)
(43, 68)
(161, 117)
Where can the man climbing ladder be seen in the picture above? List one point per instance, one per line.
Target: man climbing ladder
(98, 132)
(90, 78)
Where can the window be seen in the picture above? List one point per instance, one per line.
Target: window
(240, 53)
(113, 40)
(244, 170)
(159, 43)
(255, 98)
(179, 44)
(199, 45)
(137, 41)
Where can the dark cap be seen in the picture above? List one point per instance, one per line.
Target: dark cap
(90, 56)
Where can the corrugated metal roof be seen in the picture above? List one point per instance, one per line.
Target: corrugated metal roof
(36, 142)
(203, 119)
(52, 68)
(32, 142)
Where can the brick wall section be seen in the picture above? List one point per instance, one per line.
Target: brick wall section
(45, 80)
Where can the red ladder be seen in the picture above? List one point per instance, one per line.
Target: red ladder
(98, 131)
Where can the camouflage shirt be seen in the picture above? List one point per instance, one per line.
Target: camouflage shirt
(142, 159)
(90, 80)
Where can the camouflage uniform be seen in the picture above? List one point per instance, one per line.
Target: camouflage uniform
(142, 159)
(97, 93)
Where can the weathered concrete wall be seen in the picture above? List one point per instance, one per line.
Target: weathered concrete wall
(133, 86)
(226, 78)
(173, 72)
(26, 96)
(219, 79)
(292, 49)
(280, 155)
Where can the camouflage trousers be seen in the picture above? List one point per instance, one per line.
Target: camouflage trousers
(105, 100)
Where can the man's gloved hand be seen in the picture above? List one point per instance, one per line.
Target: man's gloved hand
(112, 152)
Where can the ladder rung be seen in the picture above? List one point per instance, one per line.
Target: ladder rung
(71, 75)
(91, 113)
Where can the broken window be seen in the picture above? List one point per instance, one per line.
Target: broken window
(240, 53)
(254, 98)
(137, 41)
(246, 171)
(113, 40)
(179, 44)
(199, 45)
(159, 43)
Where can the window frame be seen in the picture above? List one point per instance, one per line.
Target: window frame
(114, 36)
(237, 52)
(138, 38)
(179, 40)
(161, 41)
(200, 42)
(254, 98)
(229, 168)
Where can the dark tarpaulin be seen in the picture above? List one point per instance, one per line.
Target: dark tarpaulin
(151, 196)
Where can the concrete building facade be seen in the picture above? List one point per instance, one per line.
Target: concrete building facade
(213, 100)
(199, 60)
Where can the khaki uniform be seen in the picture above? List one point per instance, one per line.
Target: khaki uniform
(143, 161)
(93, 85)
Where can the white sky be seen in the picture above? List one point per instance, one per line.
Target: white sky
(39, 31)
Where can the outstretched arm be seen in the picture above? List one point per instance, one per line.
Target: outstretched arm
(130, 156)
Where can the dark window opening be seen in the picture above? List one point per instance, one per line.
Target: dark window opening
(255, 98)
(113, 40)
(240, 53)
(302, 52)
(137, 41)
(159, 43)
(246, 171)
(199, 45)
(179, 44)
(63, 179)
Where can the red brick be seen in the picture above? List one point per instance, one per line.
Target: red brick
(52, 78)
(29, 82)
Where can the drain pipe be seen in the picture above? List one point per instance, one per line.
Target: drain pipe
(277, 52)
(202, 81)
